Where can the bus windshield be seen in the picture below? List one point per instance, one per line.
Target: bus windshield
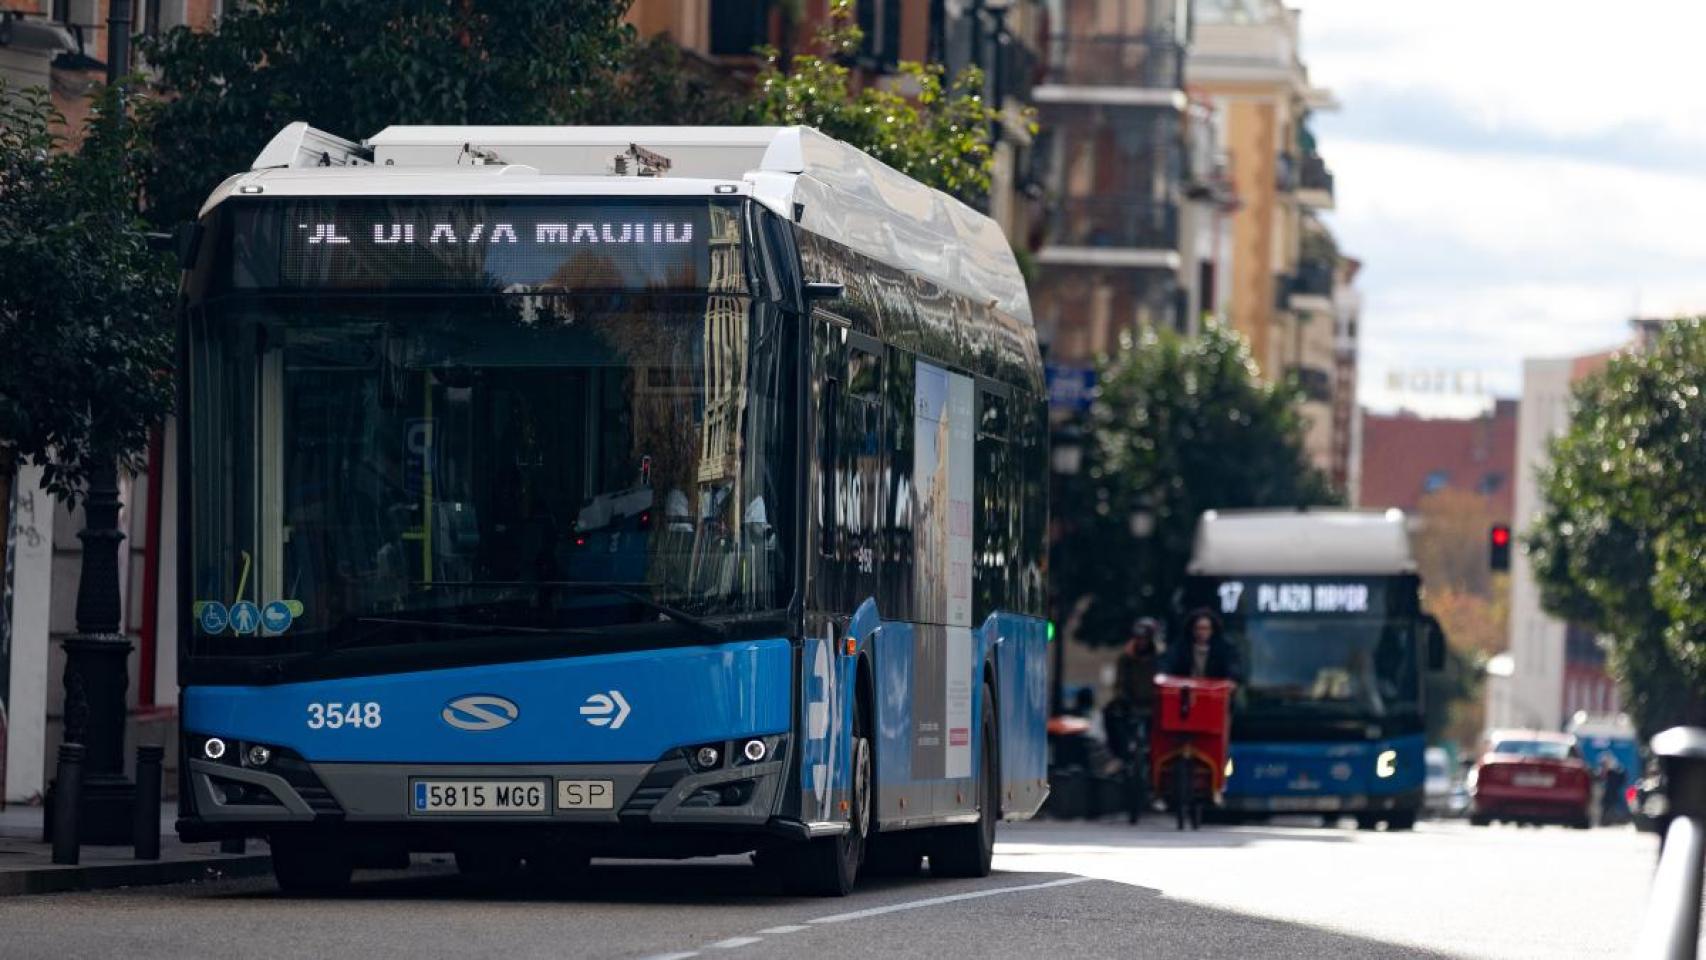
(1361, 666)
(396, 469)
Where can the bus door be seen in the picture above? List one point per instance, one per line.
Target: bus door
(847, 491)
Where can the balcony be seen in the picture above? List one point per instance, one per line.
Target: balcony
(1314, 383)
(1315, 182)
(1310, 289)
(1113, 231)
(1145, 70)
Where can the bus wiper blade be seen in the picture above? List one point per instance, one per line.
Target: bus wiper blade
(625, 589)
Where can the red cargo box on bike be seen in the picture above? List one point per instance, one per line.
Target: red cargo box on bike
(1188, 744)
(1201, 710)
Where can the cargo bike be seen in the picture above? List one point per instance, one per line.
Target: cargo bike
(1188, 744)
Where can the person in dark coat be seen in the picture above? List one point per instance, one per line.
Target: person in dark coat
(1126, 717)
(1205, 652)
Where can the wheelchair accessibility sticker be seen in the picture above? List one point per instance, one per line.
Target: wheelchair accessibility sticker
(212, 616)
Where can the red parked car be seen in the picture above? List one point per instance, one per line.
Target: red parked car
(1531, 776)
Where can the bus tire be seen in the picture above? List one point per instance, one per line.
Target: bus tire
(1401, 820)
(311, 867)
(967, 851)
(829, 866)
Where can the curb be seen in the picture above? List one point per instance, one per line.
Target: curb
(104, 876)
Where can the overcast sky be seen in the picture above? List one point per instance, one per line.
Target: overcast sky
(1519, 177)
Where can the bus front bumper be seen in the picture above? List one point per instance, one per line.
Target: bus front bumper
(1349, 803)
(233, 799)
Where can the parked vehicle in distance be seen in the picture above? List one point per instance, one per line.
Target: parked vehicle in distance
(1649, 805)
(1436, 782)
(1458, 806)
(1531, 776)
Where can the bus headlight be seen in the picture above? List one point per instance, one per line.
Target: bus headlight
(1386, 764)
(213, 748)
(1229, 768)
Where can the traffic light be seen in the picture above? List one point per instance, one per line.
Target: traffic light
(1499, 547)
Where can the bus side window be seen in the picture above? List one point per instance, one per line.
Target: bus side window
(895, 591)
(994, 498)
(1032, 431)
(828, 446)
(780, 260)
(828, 373)
(861, 458)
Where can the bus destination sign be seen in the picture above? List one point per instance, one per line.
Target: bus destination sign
(500, 245)
(1316, 597)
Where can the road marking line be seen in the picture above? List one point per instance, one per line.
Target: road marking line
(674, 956)
(951, 898)
(790, 928)
(732, 943)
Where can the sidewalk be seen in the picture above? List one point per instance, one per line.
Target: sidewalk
(26, 863)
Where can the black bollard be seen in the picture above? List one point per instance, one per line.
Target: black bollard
(67, 795)
(1672, 928)
(147, 826)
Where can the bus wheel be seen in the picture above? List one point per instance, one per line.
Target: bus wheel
(311, 867)
(1402, 820)
(829, 866)
(966, 851)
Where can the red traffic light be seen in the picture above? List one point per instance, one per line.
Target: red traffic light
(1499, 547)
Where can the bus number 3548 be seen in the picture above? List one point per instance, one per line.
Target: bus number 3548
(334, 715)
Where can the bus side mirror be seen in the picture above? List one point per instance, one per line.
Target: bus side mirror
(1436, 643)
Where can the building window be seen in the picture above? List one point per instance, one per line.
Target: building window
(1490, 484)
(879, 20)
(1436, 481)
(738, 26)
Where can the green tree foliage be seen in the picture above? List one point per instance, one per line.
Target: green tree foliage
(354, 66)
(85, 369)
(1181, 425)
(1621, 543)
(939, 136)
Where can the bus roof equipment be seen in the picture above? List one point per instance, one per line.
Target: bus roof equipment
(828, 187)
(1302, 543)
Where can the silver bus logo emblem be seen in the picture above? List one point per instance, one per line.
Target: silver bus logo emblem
(480, 712)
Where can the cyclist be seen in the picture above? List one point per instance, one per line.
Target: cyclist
(1206, 653)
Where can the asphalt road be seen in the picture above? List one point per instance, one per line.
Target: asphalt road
(1070, 890)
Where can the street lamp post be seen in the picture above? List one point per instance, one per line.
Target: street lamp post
(97, 668)
(97, 656)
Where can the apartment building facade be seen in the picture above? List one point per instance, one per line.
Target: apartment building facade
(1551, 668)
(1291, 292)
(1001, 38)
(1114, 111)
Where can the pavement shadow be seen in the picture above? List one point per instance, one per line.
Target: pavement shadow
(720, 881)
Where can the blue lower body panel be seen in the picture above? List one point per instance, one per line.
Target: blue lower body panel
(602, 739)
(568, 710)
(930, 685)
(1360, 777)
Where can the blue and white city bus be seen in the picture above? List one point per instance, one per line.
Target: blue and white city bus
(568, 492)
(1325, 608)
